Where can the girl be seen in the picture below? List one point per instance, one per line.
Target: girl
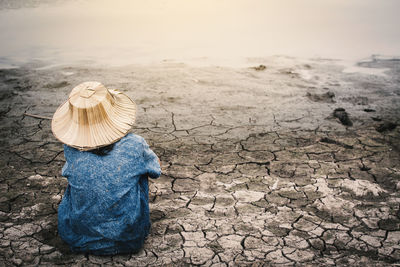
(105, 207)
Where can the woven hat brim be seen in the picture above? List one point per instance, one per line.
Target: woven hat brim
(101, 129)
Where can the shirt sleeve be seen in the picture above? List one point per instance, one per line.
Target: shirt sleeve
(151, 162)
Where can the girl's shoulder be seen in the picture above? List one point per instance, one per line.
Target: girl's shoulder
(131, 140)
(124, 145)
(132, 143)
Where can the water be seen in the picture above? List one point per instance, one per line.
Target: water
(226, 32)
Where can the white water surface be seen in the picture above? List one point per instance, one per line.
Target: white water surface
(224, 32)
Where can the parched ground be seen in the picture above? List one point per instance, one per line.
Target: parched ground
(258, 167)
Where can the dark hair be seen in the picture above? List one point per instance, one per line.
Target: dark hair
(103, 151)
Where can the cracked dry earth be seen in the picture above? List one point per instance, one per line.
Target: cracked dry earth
(256, 168)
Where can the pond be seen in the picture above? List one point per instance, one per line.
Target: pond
(226, 32)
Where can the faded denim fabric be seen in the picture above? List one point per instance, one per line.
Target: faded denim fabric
(105, 208)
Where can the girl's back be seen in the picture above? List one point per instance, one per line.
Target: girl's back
(105, 208)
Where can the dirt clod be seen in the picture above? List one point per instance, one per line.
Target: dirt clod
(343, 116)
(326, 97)
(386, 126)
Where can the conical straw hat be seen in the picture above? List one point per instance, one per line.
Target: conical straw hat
(93, 116)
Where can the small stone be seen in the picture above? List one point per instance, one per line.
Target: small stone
(260, 67)
(36, 177)
(46, 249)
(325, 97)
(343, 116)
(386, 126)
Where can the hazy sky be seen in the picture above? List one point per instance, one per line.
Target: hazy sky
(133, 31)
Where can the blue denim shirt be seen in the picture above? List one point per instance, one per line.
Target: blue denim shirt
(105, 207)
